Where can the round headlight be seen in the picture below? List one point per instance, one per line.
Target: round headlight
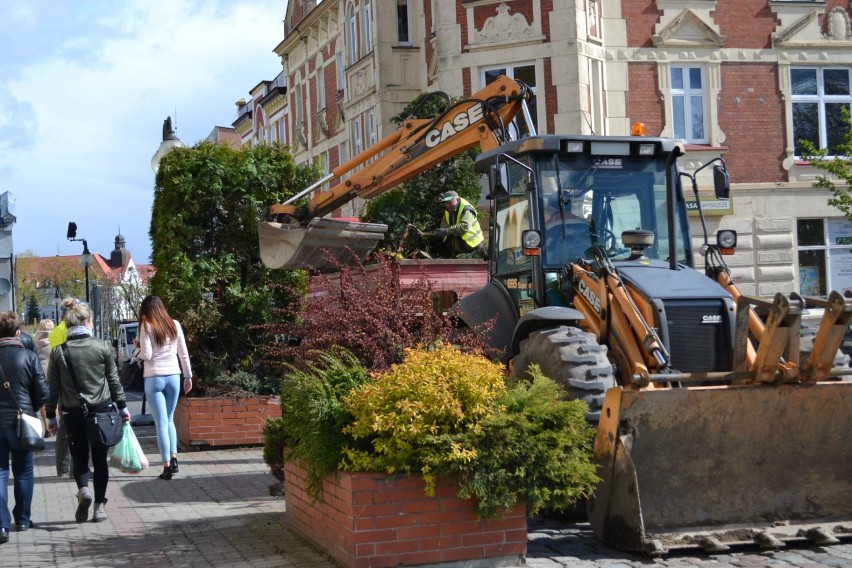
(727, 239)
(531, 239)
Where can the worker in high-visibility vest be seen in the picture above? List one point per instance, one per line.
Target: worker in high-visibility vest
(460, 228)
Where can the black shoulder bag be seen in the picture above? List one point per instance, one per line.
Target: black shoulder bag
(103, 428)
(30, 431)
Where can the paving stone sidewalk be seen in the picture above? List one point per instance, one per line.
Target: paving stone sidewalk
(216, 512)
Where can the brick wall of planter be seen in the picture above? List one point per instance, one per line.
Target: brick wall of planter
(223, 422)
(374, 520)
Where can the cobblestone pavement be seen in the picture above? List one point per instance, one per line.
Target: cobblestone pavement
(218, 512)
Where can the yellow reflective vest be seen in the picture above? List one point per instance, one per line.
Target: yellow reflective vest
(473, 236)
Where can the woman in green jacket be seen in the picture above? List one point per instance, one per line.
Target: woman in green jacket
(98, 385)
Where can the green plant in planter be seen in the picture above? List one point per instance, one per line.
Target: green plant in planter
(313, 417)
(537, 446)
(440, 412)
(412, 416)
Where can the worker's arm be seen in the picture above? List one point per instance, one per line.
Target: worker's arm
(468, 219)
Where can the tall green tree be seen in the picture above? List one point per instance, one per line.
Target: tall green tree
(32, 313)
(207, 202)
(412, 208)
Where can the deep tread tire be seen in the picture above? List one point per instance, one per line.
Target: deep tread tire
(574, 359)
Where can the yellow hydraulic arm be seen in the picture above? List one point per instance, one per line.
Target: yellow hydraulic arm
(418, 145)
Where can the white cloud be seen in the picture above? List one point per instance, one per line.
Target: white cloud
(81, 110)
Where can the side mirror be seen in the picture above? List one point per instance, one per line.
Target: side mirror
(115, 343)
(721, 182)
(72, 230)
(497, 180)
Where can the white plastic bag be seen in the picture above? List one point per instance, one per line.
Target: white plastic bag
(127, 455)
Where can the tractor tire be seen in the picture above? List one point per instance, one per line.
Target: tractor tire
(574, 359)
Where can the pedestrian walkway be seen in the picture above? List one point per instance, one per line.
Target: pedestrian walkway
(216, 512)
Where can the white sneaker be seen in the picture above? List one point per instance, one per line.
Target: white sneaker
(84, 501)
(100, 513)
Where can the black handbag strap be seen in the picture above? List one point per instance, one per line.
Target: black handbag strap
(9, 388)
(66, 356)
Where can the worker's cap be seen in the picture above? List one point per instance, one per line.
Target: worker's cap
(447, 196)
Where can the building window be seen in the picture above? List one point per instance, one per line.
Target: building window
(371, 128)
(367, 12)
(321, 161)
(825, 255)
(321, 89)
(352, 34)
(299, 108)
(403, 22)
(343, 150)
(341, 79)
(688, 104)
(525, 74)
(818, 97)
(356, 137)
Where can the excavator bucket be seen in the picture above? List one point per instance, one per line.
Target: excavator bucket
(324, 244)
(710, 467)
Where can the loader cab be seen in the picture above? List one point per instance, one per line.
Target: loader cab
(577, 193)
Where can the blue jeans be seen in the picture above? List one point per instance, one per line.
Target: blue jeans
(162, 394)
(22, 470)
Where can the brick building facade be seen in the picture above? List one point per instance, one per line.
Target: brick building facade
(740, 80)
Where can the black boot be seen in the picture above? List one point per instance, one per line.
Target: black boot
(167, 473)
(173, 465)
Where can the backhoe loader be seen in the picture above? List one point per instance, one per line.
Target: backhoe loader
(713, 428)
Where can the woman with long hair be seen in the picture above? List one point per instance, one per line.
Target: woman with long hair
(163, 351)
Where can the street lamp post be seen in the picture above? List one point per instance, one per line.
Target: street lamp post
(57, 300)
(87, 258)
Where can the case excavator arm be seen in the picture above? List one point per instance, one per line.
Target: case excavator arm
(294, 236)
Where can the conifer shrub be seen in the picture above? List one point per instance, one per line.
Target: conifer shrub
(313, 417)
(537, 447)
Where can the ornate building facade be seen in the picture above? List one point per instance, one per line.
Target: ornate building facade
(745, 81)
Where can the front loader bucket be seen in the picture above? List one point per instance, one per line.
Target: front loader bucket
(714, 466)
(319, 245)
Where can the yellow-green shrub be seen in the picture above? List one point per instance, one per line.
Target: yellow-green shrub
(414, 414)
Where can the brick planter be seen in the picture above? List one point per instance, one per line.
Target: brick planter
(374, 520)
(223, 422)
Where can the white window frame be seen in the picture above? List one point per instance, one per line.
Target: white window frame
(352, 34)
(687, 95)
(367, 27)
(320, 78)
(407, 5)
(372, 135)
(300, 111)
(357, 147)
(341, 76)
(509, 71)
(820, 99)
(839, 228)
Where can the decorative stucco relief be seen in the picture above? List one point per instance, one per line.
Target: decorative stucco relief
(504, 27)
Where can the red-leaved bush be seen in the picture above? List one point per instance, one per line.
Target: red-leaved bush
(364, 310)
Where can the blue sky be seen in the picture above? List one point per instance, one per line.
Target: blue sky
(84, 88)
